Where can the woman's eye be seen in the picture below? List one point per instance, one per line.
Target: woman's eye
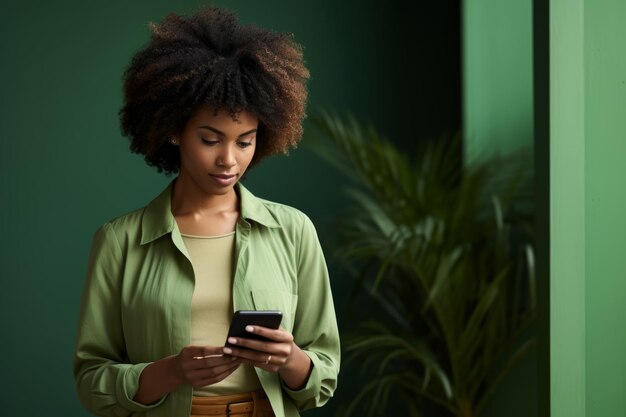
(244, 145)
(209, 142)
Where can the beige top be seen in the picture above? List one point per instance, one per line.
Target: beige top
(212, 258)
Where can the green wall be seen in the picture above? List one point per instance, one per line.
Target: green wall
(588, 104)
(567, 216)
(605, 197)
(497, 76)
(65, 169)
(583, 165)
(498, 119)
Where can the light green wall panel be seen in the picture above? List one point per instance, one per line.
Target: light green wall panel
(567, 218)
(605, 206)
(588, 198)
(497, 75)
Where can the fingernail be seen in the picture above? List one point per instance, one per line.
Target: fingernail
(232, 340)
(250, 329)
(228, 351)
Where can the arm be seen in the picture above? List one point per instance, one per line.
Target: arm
(307, 361)
(105, 381)
(163, 376)
(315, 330)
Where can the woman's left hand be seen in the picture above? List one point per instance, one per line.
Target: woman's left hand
(278, 354)
(269, 355)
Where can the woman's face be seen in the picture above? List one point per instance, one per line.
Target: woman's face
(215, 150)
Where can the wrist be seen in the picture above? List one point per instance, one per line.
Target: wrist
(158, 379)
(172, 372)
(296, 359)
(296, 371)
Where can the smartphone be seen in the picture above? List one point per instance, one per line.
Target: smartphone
(243, 318)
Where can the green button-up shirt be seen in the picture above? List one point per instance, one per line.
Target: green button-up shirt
(136, 306)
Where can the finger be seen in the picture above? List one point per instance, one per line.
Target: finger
(210, 362)
(271, 347)
(276, 335)
(259, 358)
(210, 351)
(214, 378)
(196, 357)
(207, 373)
(271, 366)
(200, 351)
(261, 346)
(217, 355)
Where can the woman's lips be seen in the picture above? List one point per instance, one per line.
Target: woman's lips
(223, 179)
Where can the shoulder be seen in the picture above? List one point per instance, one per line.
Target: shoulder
(146, 223)
(289, 219)
(284, 214)
(123, 228)
(127, 220)
(271, 214)
(292, 223)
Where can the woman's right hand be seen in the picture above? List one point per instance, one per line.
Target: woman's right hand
(199, 366)
(194, 365)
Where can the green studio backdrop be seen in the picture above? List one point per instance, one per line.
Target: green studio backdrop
(65, 169)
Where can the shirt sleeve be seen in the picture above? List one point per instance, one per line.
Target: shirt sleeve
(105, 380)
(315, 328)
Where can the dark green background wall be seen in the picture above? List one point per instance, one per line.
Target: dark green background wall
(65, 168)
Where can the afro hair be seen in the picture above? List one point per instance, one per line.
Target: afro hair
(210, 58)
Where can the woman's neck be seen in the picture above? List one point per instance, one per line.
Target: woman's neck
(202, 214)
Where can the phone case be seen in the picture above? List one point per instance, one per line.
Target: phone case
(242, 318)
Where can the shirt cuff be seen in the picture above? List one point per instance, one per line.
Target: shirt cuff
(313, 384)
(129, 385)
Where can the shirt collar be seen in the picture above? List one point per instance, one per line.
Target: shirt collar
(158, 219)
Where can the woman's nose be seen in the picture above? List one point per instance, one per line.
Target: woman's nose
(227, 157)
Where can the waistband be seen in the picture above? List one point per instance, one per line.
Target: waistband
(251, 404)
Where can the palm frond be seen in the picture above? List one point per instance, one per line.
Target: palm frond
(445, 248)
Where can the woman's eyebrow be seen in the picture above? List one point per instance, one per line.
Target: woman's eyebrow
(219, 132)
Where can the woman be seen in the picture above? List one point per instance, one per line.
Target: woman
(207, 98)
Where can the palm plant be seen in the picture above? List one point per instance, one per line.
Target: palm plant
(445, 248)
